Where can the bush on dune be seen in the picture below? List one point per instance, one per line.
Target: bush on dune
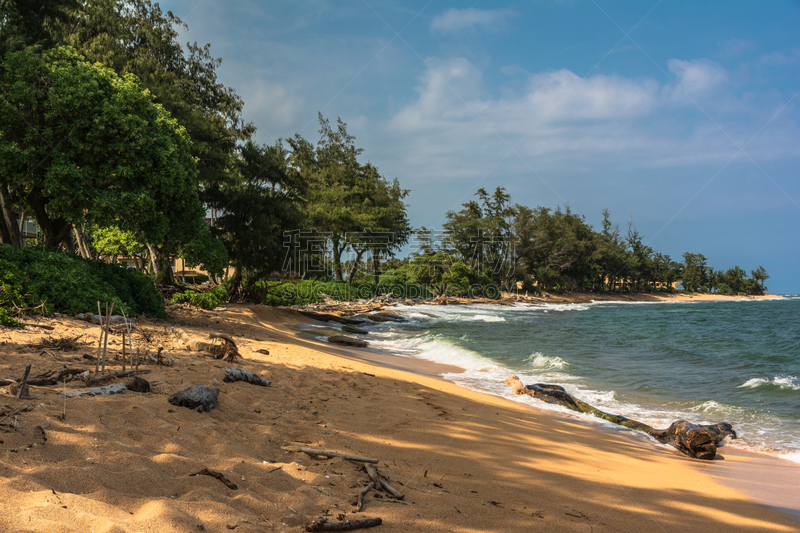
(45, 281)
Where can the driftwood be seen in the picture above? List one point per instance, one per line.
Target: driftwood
(23, 384)
(695, 440)
(195, 396)
(116, 388)
(227, 351)
(238, 374)
(218, 475)
(322, 524)
(347, 341)
(33, 325)
(127, 373)
(364, 491)
(101, 320)
(54, 377)
(323, 453)
(381, 483)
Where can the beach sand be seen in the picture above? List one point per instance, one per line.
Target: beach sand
(466, 462)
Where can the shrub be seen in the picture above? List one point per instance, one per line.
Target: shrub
(307, 291)
(206, 300)
(69, 284)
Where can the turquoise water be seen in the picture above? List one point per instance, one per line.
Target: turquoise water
(734, 361)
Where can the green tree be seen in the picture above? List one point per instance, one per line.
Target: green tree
(695, 273)
(760, 275)
(80, 144)
(260, 207)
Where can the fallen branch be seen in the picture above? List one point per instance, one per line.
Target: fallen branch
(363, 493)
(127, 373)
(54, 377)
(32, 325)
(381, 483)
(219, 476)
(228, 351)
(238, 374)
(322, 524)
(695, 440)
(101, 320)
(323, 453)
(116, 388)
(23, 384)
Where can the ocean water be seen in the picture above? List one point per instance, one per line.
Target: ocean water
(735, 361)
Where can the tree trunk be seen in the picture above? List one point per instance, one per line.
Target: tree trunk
(376, 262)
(54, 230)
(337, 259)
(80, 240)
(353, 270)
(694, 440)
(10, 220)
(161, 266)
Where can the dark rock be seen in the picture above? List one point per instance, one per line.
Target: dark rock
(347, 341)
(353, 329)
(195, 396)
(137, 384)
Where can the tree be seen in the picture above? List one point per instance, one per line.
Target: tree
(29, 23)
(135, 36)
(261, 205)
(349, 201)
(79, 144)
(760, 275)
(694, 273)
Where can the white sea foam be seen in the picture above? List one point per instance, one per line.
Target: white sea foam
(489, 318)
(540, 360)
(782, 382)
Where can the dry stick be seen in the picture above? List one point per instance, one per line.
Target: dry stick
(99, 342)
(23, 385)
(321, 524)
(363, 493)
(323, 453)
(108, 324)
(382, 483)
(130, 339)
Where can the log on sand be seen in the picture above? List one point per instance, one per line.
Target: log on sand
(322, 524)
(227, 351)
(238, 374)
(695, 440)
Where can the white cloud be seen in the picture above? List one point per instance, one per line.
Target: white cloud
(454, 20)
(562, 124)
(698, 77)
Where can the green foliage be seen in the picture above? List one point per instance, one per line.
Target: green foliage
(71, 285)
(305, 292)
(205, 300)
(12, 296)
(445, 274)
(350, 201)
(93, 147)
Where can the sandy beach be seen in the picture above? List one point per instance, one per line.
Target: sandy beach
(465, 461)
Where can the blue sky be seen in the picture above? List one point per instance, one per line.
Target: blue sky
(682, 116)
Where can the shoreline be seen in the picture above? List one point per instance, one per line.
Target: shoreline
(742, 468)
(466, 461)
(742, 472)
